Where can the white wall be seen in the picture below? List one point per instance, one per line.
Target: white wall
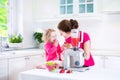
(111, 5)
(45, 9)
(27, 12)
(104, 32)
(25, 22)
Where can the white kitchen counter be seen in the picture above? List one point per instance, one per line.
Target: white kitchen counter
(105, 52)
(20, 53)
(30, 52)
(92, 74)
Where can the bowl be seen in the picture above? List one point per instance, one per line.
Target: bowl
(52, 65)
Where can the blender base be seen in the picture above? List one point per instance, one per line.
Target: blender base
(81, 69)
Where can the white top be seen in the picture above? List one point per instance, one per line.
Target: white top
(92, 74)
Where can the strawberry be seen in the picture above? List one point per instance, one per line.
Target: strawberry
(69, 71)
(62, 71)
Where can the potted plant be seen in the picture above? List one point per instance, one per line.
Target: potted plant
(38, 38)
(15, 40)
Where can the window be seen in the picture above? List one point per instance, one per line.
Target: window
(76, 6)
(85, 6)
(7, 18)
(3, 18)
(66, 6)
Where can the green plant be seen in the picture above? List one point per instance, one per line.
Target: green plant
(38, 36)
(15, 38)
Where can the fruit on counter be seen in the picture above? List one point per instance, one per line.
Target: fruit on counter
(51, 65)
(62, 71)
(65, 71)
(69, 71)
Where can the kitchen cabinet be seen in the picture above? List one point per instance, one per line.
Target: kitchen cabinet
(3, 70)
(99, 62)
(32, 61)
(111, 5)
(41, 8)
(18, 65)
(107, 62)
(112, 62)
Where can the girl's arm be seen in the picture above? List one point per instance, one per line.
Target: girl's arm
(59, 52)
(51, 49)
(59, 49)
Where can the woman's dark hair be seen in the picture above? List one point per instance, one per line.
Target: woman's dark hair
(67, 25)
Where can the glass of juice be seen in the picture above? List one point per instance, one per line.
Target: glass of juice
(75, 38)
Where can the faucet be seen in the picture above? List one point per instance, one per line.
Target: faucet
(3, 46)
(0, 44)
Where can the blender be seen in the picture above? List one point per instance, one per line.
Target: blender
(74, 57)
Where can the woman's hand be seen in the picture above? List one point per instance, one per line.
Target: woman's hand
(66, 46)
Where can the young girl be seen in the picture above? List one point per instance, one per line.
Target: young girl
(52, 48)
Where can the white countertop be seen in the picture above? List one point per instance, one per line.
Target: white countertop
(30, 52)
(92, 74)
(20, 53)
(105, 52)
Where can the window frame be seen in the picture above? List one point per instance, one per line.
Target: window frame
(66, 4)
(4, 24)
(11, 19)
(86, 3)
(76, 4)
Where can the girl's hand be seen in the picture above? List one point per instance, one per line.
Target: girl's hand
(41, 66)
(55, 42)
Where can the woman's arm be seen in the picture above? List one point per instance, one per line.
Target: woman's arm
(87, 49)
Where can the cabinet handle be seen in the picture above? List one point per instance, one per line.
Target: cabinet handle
(42, 55)
(104, 57)
(27, 58)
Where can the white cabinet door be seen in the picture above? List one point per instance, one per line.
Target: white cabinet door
(111, 5)
(113, 62)
(4, 69)
(16, 65)
(107, 62)
(99, 62)
(42, 8)
(33, 61)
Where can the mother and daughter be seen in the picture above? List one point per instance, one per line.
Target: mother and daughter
(54, 52)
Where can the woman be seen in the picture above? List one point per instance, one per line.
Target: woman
(65, 27)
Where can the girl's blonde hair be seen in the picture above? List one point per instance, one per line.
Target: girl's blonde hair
(46, 35)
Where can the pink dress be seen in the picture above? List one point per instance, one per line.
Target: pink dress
(52, 52)
(90, 61)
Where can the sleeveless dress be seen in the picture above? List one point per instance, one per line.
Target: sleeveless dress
(90, 61)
